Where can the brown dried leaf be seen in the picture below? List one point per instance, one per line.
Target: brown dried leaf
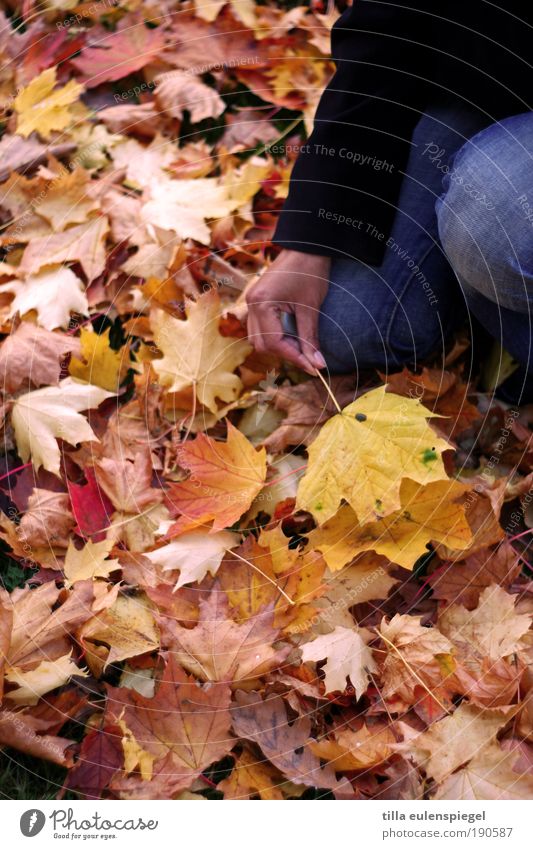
(464, 581)
(218, 649)
(34, 354)
(185, 727)
(286, 746)
(48, 521)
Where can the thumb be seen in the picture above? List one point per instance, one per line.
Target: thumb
(307, 324)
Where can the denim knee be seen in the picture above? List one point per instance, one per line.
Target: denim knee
(367, 325)
(485, 215)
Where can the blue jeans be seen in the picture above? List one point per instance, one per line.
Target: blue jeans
(461, 244)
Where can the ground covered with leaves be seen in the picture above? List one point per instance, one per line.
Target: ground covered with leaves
(223, 578)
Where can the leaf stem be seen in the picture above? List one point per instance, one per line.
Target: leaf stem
(192, 414)
(257, 569)
(286, 131)
(328, 390)
(124, 521)
(412, 671)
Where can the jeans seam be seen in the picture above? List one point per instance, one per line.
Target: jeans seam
(403, 292)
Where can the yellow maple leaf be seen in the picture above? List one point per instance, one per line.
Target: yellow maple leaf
(101, 365)
(362, 454)
(42, 109)
(126, 629)
(196, 354)
(245, 182)
(89, 561)
(428, 513)
(252, 579)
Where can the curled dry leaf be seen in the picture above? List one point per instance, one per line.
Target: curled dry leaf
(128, 484)
(126, 629)
(32, 354)
(307, 406)
(18, 732)
(352, 750)
(46, 676)
(43, 621)
(251, 776)
(418, 661)
(178, 91)
(47, 520)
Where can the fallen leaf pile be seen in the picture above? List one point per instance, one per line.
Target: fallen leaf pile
(216, 584)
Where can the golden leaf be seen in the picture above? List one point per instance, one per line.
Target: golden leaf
(196, 354)
(41, 108)
(362, 455)
(428, 513)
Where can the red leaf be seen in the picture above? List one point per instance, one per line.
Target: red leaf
(119, 54)
(55, 48)
(91, 507)
(100, 757)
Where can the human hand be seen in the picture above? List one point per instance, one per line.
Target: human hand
(295, 283)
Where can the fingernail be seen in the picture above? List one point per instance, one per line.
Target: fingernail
(319, 360)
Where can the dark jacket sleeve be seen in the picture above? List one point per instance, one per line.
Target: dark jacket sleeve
(346, 180)
(393, 57)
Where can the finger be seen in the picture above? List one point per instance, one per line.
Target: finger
(307, 324)
(268, 326)
(252, 330)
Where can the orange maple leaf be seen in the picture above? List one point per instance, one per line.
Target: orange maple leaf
(225, 478)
